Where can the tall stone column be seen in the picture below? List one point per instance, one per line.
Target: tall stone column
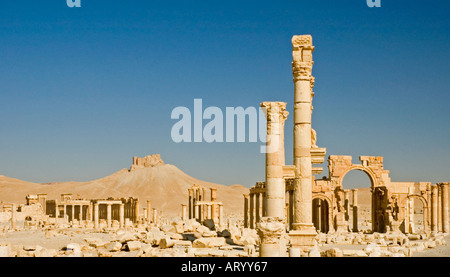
(73, 213)
(149, 211)
(252, 210)
(445, 223)
(246, 200)
(108, 215)
(90, 212)
(304, 233)
(96, 216)
(275, 159)
(183, 212)
(122, 215)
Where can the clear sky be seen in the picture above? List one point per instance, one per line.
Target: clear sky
(82, 90)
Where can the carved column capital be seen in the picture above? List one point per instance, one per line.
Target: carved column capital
(270, 229)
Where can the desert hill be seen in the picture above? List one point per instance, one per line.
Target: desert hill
(148, 178)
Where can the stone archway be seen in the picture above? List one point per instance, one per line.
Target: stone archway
(322, 213)
(339, 166)
(407, 213)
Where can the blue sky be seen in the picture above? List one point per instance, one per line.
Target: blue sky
(82, 90)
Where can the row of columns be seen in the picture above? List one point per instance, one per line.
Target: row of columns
(254, 208)
(439, 208)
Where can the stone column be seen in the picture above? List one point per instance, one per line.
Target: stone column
(270, 231)
(65, 213)
(155, 216)
(196, 212)
(246, 199)
(291, 209)
(80, 213)
(275, 159)
(434, 208)
(183, 212)
(221, 215)
(214, 206)
(56, 212)
(137, 210)
(355, 209)
(191, 203)
(13, 216)
(108, 215)
(257, 207)
(209, 209)
(252, 210)
(96, 216)
(445, 223)
(440, 229)
(73, 212)
(90, 212)
(149, 211)
(304, 233)
(122, 215)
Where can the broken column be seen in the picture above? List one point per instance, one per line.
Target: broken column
(303, 233)
(149, 211)
(13, 216)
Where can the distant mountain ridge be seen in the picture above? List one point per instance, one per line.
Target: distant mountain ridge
(149, 178)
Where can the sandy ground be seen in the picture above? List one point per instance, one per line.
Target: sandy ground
(441, 251)
(37, 237)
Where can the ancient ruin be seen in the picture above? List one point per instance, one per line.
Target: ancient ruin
(292, 200)
(290, 213)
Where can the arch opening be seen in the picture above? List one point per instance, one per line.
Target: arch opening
(358, 201)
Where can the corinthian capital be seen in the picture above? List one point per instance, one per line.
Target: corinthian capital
(302, 50)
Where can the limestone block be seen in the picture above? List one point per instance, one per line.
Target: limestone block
(46, 253)
(209, 223)
(334, 252)
(29, 247)
(5, 251)
(114, 246)
(202, 229)
(209, 242)
(168, 228)
(166, 242)
(126, 236)
(95, 242)
(134, 245)
(314, 253)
